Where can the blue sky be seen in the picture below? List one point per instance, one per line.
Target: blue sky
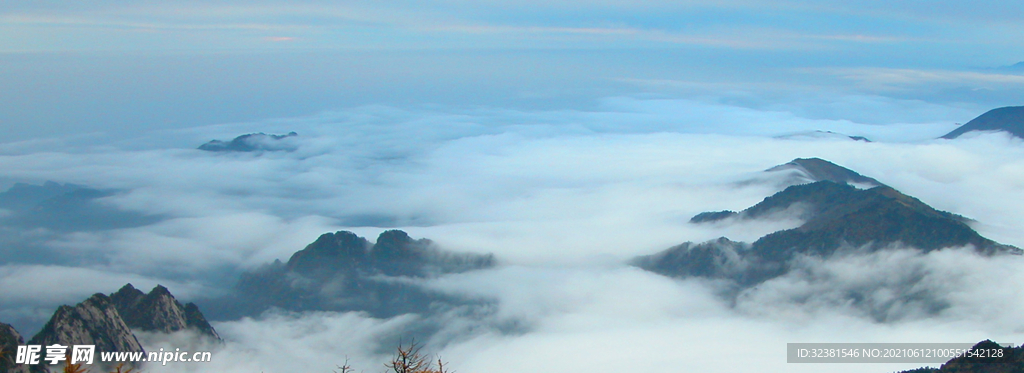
(986, 27)
(109, 66)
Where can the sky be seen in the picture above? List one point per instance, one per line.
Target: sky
(107, 66)
(564, 137)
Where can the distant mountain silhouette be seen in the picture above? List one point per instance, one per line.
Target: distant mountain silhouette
(1008, 119)
(819, 134)
(252, 142)
(341, 271)
(66, 207)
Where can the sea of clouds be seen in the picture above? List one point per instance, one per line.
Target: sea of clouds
(563, 198)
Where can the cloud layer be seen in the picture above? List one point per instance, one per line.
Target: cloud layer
(562, 198)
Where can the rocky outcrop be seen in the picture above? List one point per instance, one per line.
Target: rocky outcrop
(1008, 119)
(253, 142)
(10, 339)
(159, 311)
(92, 322)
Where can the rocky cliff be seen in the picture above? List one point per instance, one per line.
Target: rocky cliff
(159, 311)
(92, 322)
(107, 322)
(10, 339)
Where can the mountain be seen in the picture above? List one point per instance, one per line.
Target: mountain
(92, 322)
(253, 142)
(837, 216)
(809, 170)
(796, 172)
(341, 271)
(108, 322)
(10, 339)
(66, 207)
(819, 134)
(1009, 119)
(158, 311)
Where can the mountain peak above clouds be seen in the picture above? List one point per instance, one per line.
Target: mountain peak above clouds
(253, 142)
(817, 169)
(819, 134)
(341, 271)
(796, 172)
(95, 321)
(159, 311)
(1007, 119)
(836, 217)
(109, 323)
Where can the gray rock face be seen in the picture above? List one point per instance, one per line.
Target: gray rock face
(107, 323)
(9, 341)
(159, 311)
(92, 322)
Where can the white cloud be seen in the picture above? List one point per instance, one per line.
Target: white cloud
(561, 198)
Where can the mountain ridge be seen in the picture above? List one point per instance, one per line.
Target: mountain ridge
(836, 216)
(1008, 119)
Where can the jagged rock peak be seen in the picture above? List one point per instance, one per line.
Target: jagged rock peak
(1009, 119)
(93, 322)
(10, 339)
(253, 142)
(159, 311)
(127, 296)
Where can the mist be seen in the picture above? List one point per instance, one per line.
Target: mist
(563, 199)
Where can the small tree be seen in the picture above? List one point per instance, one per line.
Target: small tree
(409, 359)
